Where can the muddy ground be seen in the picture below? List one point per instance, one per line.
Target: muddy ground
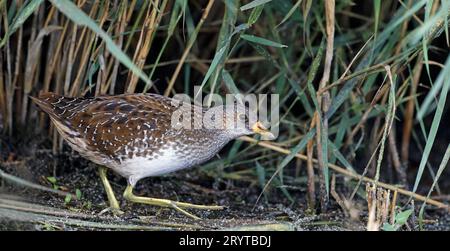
(24, 208)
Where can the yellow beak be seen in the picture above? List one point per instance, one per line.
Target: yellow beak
(260, 129)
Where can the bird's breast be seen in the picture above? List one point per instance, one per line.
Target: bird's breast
(166, 161)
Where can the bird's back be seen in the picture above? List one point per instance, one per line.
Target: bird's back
(112, 127)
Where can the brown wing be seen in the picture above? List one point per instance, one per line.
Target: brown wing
(114, 126)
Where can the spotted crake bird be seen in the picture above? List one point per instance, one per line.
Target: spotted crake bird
(135, 136)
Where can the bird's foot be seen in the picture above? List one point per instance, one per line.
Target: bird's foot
(179, 206)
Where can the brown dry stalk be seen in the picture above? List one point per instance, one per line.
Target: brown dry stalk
(403, 30)
(110, 72)
(324, 99)
(70, 59)
(85, 30)
(395, 157)
(188, 49)
(120, 29)
(409, 110)
(310, 170)
(53, 55)
(350, 174)
(392, 209)
(90, 41)
(50, 15)
(417, 72)
(144, 42)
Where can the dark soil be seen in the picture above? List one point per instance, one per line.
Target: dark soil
(23, 208)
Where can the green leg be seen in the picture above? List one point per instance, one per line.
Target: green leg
(128, 195)
(113, 204)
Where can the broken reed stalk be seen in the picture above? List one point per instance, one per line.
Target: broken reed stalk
(378, 203)
(350, 174)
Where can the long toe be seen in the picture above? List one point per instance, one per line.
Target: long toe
(201, 207)
(174, 206)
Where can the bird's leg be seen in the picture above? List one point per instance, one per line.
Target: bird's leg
(113, 204)
(128, 195)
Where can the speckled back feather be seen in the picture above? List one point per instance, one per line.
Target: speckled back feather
(107, 123)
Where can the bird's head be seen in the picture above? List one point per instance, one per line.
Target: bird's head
(238, 120)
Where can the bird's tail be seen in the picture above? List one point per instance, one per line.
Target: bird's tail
(45, 101)
(57, 106)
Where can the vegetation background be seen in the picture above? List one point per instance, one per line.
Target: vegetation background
(363, 97)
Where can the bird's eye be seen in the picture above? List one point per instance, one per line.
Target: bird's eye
(242, 116)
